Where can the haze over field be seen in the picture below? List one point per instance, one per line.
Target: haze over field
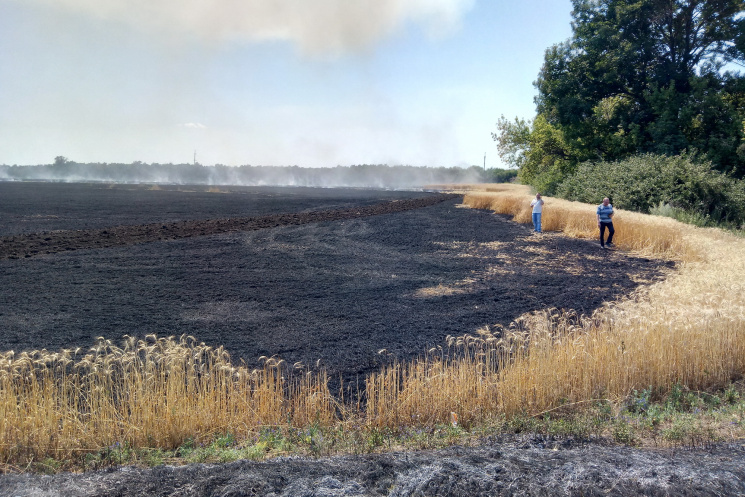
(281, 82)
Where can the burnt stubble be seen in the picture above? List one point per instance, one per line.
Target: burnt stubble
(325, 278)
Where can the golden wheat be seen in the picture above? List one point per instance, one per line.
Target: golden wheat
(155, 392)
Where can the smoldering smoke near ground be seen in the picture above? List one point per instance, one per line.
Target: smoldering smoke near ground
(362, 176)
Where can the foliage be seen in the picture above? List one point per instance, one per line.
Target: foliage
(60, 160)
(537, 148)
(512, 140)
(688, 217)
(637, 76)
(648, 181)
(498, 175)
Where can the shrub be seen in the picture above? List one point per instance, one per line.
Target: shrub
(497, 175)
(659, 184)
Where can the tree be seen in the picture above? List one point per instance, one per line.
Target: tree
(61, 160)
(512, 140)
(642, 76)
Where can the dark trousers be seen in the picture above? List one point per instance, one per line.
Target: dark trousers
(610, 233)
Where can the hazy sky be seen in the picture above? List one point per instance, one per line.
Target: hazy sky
(268, 82)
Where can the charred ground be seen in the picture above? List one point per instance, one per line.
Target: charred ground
(335, 280)
(526, 466)
(336, 289)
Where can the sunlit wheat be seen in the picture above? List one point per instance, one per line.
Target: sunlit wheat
(154, 392)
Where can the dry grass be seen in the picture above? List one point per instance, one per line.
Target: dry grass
(156, 392)
(651, 235)
(688, 330)
(480, 187)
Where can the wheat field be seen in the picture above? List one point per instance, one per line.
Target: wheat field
(687, 330)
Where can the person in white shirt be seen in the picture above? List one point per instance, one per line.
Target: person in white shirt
(537, 204)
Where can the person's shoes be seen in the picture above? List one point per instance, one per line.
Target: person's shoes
(610, 244)
(603, 247)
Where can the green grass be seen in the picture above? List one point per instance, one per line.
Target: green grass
(694, 218)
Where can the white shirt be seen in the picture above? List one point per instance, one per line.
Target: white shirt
(537, 206)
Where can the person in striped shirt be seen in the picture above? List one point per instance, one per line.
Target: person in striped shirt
(605, 220)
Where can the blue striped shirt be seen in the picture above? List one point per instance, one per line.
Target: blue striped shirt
(605, 211)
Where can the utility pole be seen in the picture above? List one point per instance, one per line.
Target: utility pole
(484, 162)
(195, 157)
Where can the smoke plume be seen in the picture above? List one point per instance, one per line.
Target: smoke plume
(316, 27)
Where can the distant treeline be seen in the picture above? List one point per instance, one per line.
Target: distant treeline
(360, 176)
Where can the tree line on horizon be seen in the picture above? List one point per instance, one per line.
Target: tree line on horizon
(645, 102)
(362, 176)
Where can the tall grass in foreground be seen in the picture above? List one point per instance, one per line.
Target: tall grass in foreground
(688, 331)
(156, 392)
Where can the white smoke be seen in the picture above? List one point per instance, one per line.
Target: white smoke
(315, 26)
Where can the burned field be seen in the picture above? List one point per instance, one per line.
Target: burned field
(318, 276)
(334, 277)
(531, 466)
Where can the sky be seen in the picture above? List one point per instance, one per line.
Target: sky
(312, 83)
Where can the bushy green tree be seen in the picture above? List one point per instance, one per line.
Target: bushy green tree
(637, 76)
(498, 175)
(60, 160)
(537, 148)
